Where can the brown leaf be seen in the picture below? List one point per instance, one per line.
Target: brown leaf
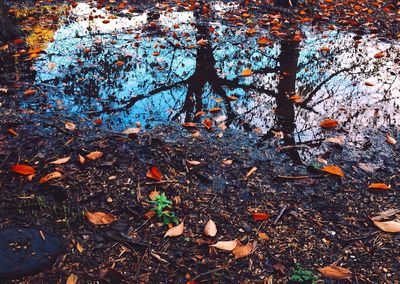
(23, 169)
(252, 170)
(29, 92)
(207, 123)
(214, 110)
(336, 140)
(12, 132)
(385, 214)
(336, 272)
(61, 161)
(94, 155)
(225, 245)
(132, 130)
(154, 173)
(390, 139)
(81, 159)
(175, 231)
(334, 170)
(258, 216)
(388, 226)
(150, 214)
(263, 236)
(210, 229)
(328, 123)
(379, 186)
(193, 163)
(50, 176)
(325, 49)
(189, 124)
(379, 55)
(243, 251)
(100, 218)
(153, 195)
(70, 126)
(227, 162)
(79, 247)
(72, 279)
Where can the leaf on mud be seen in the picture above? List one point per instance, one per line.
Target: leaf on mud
(325, 49)
(23, 169)
(227, 162)
(379, 185)
(243, 251)
(50, 176)
(225, 245)
(336, 272)
(258, 216)
(379, 55)
(70, 126)
(385, 214)
(175, 231)
(328, 123)
(12, 132)
(150, 214)
(189, 124)
(214, 110)
(79, 247)
(72, 279)
(81, 159)
(334, 170)
(390, 139)
(132, 130)
(153, 195)
(193, 163)
(94, 155)
(154, 173)
(207, 123)
(246, 73)
(61, 161)
(388, 226)
(210, 228)
(252, 170)
(100, 218)
(29, 92)
(336, 140)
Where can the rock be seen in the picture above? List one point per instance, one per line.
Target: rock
(23, 251)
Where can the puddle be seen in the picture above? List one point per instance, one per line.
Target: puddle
(178, 66)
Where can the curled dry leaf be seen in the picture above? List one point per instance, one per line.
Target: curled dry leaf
(210, 229)
(258, 216)
(175, 231)
(336, 272)
(328, 123)
(225, 245)
(334, 170)
(23, 169)
(100, 218)
(72, 279)
(70, 126)
(94, 155)
(50, 176)
(390, 139)
(379, 55)
(60, 161)
(385, 214)
(246, 73)
(388, 226)
(214, 110)
(379, 186)
(154, 173)
(243, 251)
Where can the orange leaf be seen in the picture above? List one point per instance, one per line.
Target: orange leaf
(60, 161)
(210, 229)
(12, 132)
(325, 49)
(390, 139)
(81, 159)
(119, 63)
(214, 109)
(379, 186)
(100, 218)
(154, 194)
(175, 231)
(50, 176)
(334, 170)
(225, 245)
(23, 169)
(189, 124)
(207, 123)
(227, 162)
(154, 173)
(29, 92)
(329, 123)
(242, 251)
(260, 216)
(150, 214)
(72, 279)
(388, 226)
(246, 73)
(98, 121)
(70, 126)
(336, 272)
(379, 55)
(94, 155)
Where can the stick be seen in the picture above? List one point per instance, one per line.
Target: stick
(280, 214)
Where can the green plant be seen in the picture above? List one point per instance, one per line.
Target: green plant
(160, 203)
(301, 274)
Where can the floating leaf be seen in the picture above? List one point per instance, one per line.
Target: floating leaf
(23, 169)
(336, 272)
(329, 123)
(388, 226)
(242, 251)
(154, 173)
(258, 216)
(72, 279)
(100, 218)
(210, 229)
(379, 186)
(50, 176)
(94, 155)
(70, 126)
(225, 245)
(175, 231)
(61, 161)
(334, 170)
(246, 73)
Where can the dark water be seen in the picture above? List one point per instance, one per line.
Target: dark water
(149, 67)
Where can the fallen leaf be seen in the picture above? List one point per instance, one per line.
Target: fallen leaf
(193, 163)
(225, 245)
(29, 92)
(252, 170)
(242, 251)
(336, 272)
(150, 214)
(94, 155)
(336, 140)
(227, 162)
(50, 176)
(23, 169)
(325, 49)
(263, 236)
(368, 167)
(132, 130)
(175, 231)
(72, 279)
(246, 73)
(379, 55)
(189, 124)
(257, 216)
(334, 170)
(214, 110)
(202, 42)
(79, 247)
(154, 173)
(379, 186)
(81, 159)
(12, 132)
(70, 126)
(100, 218)
(385, 214)
(388, 226)
(119, 63)
(390, 139)
(207, 123)
(210, 229)
(329, 123)
(369, 84)
(61, 161)
(153, 195)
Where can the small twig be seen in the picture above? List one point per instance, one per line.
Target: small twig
(293, 177)
(280, 214)
(161, 182)
(208, 272)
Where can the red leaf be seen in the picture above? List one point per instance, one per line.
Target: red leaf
(23, 169)
(154, 173)
(260, 216)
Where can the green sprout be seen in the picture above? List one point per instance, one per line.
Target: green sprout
(160, 203)
(301, 274)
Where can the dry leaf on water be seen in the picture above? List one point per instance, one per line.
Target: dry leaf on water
(72, 279)
(23, 169)
(100, 218)
(242, 251)
(175, 231)
(154, 173)
(210, 229)
(379, 186)
(328, 123)
(388, 226)
(94, 155)
(60, 161)
(336, 272)
(225, 245)
(334, 170)
(50, 176)
(70, 126)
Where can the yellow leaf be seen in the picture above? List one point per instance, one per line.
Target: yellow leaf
(334, 170)
(225, 245)
(210, 229)
(94, 155)
(336, 272)
(72, 279)
(79, 247)
(175, 231)
(242, 251)
(100, 218)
